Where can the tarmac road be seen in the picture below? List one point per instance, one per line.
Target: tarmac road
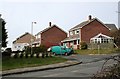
(91, 65)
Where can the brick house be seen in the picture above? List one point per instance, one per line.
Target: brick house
(86, 30)
(51, 36)
(22, 41)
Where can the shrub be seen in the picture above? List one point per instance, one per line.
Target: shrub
(27, 50)
(43, 48)
(46, 54)
(40, 54)
(34, 55)
(26, 55)
(43, 55)
(83, 45)
(109, 72)
(37, 55)
(31, 55)
(16, 55)
(21, 56)
(36, 50)
(7, 52)
(12, 55)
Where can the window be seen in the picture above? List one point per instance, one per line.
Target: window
(63, 48)
(107, 40)
(71, 33)
(36, 37)
(102, 40)
(39, 36)
(19, 46)
(64, 44)
(15, 46)
(111, 40)
(75, 42)
(78, 41)
(95, 41)
(76, 31)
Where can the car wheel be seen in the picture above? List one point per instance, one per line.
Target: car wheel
(66, 54)
(54, 54)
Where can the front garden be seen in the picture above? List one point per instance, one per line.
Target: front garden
(13, 63)
(97, 51)
(38, 57)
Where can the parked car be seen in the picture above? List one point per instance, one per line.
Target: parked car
(60, 50)
(6, 52)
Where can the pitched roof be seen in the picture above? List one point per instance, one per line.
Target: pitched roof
(101, 35)
(109, 26)
(71, 38)
(82, 24)
(23, 36)
(50, 28)
(112, 27)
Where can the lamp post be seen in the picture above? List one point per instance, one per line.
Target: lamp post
(32, 34)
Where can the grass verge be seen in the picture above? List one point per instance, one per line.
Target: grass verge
(96, 51)
(13, 63)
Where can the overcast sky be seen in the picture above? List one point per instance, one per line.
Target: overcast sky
(19, 14)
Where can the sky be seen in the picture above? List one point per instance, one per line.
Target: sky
(19, 14)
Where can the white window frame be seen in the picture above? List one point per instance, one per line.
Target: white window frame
(39, 36)
(77, 31)
(71, 33)
(78, 42)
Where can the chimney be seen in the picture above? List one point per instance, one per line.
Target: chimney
(50, 24)
(89, 17)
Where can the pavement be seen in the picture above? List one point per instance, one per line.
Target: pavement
(40, 68)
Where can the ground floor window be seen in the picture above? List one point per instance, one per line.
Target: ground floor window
(96, 40)
(78, 42)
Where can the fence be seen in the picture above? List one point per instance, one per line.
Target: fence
(100, 46)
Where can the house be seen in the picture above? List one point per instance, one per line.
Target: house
(51, 36)
(22, 41)
(89, 31)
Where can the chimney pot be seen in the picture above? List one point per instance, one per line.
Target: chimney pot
(50, 24)
(90, 17)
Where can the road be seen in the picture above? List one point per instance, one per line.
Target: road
(91, 65)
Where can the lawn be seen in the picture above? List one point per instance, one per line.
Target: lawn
(95, 51)
(12, 63)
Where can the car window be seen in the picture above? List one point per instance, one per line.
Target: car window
(63, 48)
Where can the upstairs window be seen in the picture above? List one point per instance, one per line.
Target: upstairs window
(37, 36)
(77, 32)
(71, 33)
